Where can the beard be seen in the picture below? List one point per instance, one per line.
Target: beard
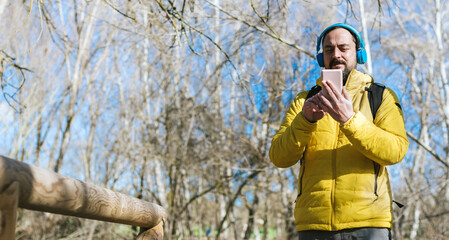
(345, 71)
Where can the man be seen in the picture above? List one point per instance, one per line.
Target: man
(343, 187)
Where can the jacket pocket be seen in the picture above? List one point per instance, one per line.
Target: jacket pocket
(301, 175)
(376, 177)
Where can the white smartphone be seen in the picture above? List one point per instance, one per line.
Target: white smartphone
(333, 75)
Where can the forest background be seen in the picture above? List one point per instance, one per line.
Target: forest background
(176, 102)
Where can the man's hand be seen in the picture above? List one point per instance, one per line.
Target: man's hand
(337, 105)
(312, 111)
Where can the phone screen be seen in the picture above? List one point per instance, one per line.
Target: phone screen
(333, 75)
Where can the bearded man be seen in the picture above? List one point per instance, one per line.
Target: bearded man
(343, 185)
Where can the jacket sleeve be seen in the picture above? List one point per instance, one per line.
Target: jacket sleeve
(384, 140)
(289, 144)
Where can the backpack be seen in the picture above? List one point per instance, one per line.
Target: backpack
(375, 94)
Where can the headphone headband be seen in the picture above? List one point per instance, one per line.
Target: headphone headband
(342, 25)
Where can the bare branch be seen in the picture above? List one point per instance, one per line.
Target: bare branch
(428, 149)
(270, 34)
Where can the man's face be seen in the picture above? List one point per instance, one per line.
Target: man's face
(339, 51)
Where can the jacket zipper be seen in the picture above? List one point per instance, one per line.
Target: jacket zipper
(334, 175)
(303, 167)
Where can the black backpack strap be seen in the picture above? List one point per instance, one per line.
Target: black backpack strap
(400, 205)
(315, 89)
(375, 94)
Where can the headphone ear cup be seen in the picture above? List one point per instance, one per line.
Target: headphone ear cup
(361, 56)
(320, 59)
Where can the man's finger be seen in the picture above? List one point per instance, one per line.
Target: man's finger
(325, 104)
(346, 94)
(331, 90)
(314, 100)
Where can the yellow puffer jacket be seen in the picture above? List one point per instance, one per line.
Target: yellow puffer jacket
(340, 185)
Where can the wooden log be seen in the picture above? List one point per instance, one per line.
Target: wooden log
(9, 199)
(47, 191)
(155, 233)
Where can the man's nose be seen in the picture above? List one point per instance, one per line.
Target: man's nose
(336, 54)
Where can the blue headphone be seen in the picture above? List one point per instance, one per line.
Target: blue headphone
(361, 53)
